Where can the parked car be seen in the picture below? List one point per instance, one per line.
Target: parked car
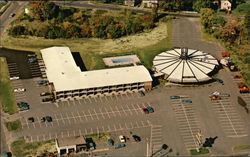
(215, 98)
(110, 142)
(12, 15)
(14, 78)
(46, 118)
(136, 138)
(186, 101)
(175, 97)
(31, 55)
(122, 138)
(23, 106)
(32, 60)
(90, 143)
(237, 76)
(119, 145)
(42, 82)
(45, 93)
(7, 154)
(18, 90)
(47, 99)
(31, 119)
(141, 93)
(148, 110)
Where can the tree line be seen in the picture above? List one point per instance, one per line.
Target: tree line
(58, 22)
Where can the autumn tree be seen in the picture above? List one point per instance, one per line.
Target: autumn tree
(207, 19)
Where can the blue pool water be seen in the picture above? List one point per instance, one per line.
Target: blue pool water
(122, 60)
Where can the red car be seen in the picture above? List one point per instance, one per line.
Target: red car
(225, 54)
(237, 77)
(242, 85)
(145, 110)
(215, 98)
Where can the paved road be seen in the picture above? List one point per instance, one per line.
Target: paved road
(5, 18)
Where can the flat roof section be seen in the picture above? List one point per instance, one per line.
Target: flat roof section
(63, 72)
(70, 141)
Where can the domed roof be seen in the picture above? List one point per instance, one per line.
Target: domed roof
(184, 65)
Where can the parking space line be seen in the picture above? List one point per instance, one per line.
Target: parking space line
(107, 113)
(73, 117)
(96, 114)
(135, 109)
(85, 116)
(117, 110)
(113, 112)
(67, 117)
(79, 116)
(91, 115)
(101, 113)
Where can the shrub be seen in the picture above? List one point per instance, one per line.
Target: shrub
(17, 30)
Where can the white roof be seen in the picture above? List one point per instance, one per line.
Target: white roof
(63, 72)
(194, 68)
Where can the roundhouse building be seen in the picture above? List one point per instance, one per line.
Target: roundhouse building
(182, 65)
(68, 81)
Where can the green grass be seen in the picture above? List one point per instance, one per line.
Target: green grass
(100, 136)
(241, 147)
(22, 149)
(6, 92)
(14, 125)
(2, 4)
(202, 151)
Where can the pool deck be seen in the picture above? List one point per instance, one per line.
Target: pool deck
(109, 60)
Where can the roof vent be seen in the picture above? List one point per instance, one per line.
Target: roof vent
(184, 53)
(62, 73)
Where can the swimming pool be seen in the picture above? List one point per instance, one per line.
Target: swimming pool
(122, 60)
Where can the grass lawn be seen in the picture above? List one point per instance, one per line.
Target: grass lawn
(6, 91)
(146, 45)
(241, 147)
(14, 125)
(202, 151)
(2, 4)
(100, 136)
(22, 149)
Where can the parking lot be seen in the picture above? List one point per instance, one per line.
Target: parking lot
(229, 119)
(187, 121)
(78, 117)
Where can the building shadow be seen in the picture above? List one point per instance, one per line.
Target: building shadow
(79, 62)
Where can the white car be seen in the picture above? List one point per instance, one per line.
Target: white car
(14, 78)
(122, 138)
(17, 90)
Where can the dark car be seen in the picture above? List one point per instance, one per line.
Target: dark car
(47, 118)
(136, 138)
(12, 15)
(47, 99)
(110, 142)
(32, 60)
(31, 119)
(186, 101)
(150, 109)
(141, 93)
(119, 145)
(42, 82)
(175, 97)
(90, 143)
(7, 154)
(23, 106)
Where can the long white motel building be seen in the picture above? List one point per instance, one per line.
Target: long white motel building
(67, 81)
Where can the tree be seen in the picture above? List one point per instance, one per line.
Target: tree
(50, 10)
(230, 32)
(199, 4)
(247, 26)
(36, 9)
(17, 30)
(155, 12)
(207, 18)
